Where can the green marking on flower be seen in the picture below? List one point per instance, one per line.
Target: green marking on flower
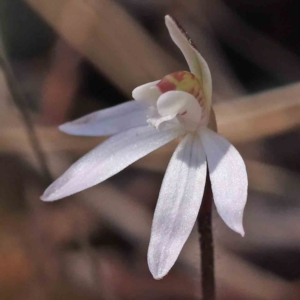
(182, 81)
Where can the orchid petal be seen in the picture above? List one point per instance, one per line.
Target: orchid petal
(158, 121)
(109, 121)
(196, 62)
(148, 93)
(182, 104)
(228, 178)
(109, 158)
(178, 205)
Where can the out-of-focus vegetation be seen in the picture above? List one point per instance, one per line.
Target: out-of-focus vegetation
(71, 57)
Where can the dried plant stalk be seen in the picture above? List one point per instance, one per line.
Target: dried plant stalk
(117, 47)
(244, 120)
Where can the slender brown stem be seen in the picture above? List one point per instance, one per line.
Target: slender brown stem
(41, 286)
(206, 244)
(20, 102)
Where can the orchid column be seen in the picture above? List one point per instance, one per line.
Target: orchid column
(178, 105)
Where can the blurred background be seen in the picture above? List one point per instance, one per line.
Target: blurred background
(61, 59)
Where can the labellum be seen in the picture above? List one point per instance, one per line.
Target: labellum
(182, 81)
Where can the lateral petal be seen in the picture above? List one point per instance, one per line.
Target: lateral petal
(107, 159)
(178, 205)
(109, 121)
(228, 178)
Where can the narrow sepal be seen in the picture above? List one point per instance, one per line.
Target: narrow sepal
(195, 61)
(178, 205)
(109, 121)
(107, 159)
(228, 177)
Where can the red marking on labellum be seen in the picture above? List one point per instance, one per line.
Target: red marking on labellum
(182, 81)
(165, 85)
(179, 76)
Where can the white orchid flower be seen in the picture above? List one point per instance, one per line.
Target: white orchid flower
(179, 105)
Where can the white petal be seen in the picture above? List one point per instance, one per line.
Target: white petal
(157, 122)
(183, 104)
(148, 93)
(107, 159)
(178, 205)
(196, 62)
(228, 177)
(109, 121)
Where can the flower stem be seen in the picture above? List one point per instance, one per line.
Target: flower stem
(206, 244)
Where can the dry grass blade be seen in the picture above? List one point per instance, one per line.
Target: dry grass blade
(261, 115)
(244, 120)
(117, 46)
(239, 35)
(264, 178)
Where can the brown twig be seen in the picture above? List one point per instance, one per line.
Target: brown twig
(20, 103)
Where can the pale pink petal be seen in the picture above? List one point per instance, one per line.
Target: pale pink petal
(228, 178)
(109, 121)
(178, 205)
(109, 158)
